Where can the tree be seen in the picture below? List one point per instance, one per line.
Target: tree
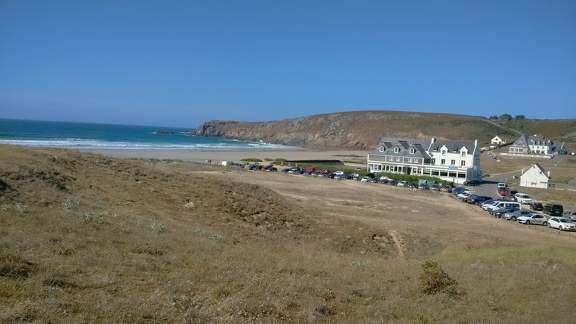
(520, 117)
(505, 117)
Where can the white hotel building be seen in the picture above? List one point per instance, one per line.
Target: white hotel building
(452, 161)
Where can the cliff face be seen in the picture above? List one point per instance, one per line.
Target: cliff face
(355, 130)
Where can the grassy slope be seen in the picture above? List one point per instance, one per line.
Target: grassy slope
(560, 130)
(359, 129)
(85, 238)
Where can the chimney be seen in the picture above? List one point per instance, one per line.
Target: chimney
(548, 174)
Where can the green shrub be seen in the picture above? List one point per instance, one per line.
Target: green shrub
(251, 160)
(434, 280)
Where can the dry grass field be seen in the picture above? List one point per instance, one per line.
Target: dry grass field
(86, 238)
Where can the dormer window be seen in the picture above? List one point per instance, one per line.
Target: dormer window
(443, 152)
(463, 153)
(396, 150)
(412, 150)
(382, 148)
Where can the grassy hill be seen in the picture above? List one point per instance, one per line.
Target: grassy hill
(362, 129)
(86, 238)
(561, 130)
(359, 129)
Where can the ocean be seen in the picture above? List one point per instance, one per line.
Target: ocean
(88, 136)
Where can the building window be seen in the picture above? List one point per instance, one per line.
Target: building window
(433, 161)
(452, 162)
(463, 153)
(412, 151)
(462, 163)
(410, 160)
(382, 148)
(396, 149)
(443, 161)
(443, 152)
(397, 159)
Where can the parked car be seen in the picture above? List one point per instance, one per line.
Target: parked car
(458, 190)
(515, 214)
(500, 213)
(393, 182)
(446, 188)
(475, 199)
(504, 204)
(464, 195)
(472, 182)
(534, 218)
(403, 184)
(553, 209)
(570, 214)
(536, 205)
(435, 187)
(487, 205)
(523, 198)
(365, 179)
(423, 186)
(561, 223)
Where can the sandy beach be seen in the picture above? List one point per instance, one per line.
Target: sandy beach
(236, 156)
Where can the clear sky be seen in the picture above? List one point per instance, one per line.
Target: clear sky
(181, 63)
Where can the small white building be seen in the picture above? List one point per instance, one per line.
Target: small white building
(535, 177)
(497, 141)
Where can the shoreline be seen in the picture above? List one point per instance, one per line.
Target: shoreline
(233, 156)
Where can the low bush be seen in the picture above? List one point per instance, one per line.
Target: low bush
(434, 280)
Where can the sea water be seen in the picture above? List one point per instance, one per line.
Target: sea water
(122, 137)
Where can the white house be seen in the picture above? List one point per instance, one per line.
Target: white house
(536, 144)
(497, 141)
(452, 161)
(535, 177)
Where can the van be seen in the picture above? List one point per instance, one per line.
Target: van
(505, 204)
(523, 198)
(553, 209)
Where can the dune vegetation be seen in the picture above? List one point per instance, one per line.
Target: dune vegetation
(87, 238)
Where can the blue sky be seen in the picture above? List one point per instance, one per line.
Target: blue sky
(181, 63)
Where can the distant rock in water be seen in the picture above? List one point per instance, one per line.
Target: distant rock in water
(358, 130)
(159, 132)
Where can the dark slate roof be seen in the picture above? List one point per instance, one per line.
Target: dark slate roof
(521, 141)
(421, 145)
(452, 146)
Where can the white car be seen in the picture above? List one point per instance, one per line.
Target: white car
(561, 223)
(533, 219)
(523, 198)
(466, 194)
(339, 173)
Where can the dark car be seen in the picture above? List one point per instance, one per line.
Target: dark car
(536, 206)
(472, 182)
(458, 190)
(553, 209)
(475, 199)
